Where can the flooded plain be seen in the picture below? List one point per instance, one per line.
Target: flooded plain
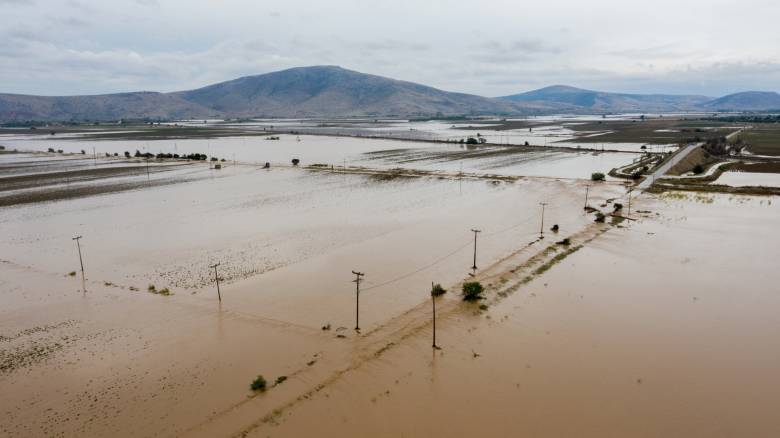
(633, 327)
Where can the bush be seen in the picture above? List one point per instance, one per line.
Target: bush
(565, 242)
(618, 206)
(472, 291)
(295, 161)
(152, 288)
(600, 216)
(82, 152)
(597, 176)
(51, 150)
(72, 273)
(164, 291)
(472, 140)
(258, 384)
(698, 169)
(438, 290)
(280, 380)
(555, 228)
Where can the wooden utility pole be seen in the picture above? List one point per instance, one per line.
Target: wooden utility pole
(474, 265)
(216, 278)
(587, 189)
(433, 301)
(629, 202)
(541, 229)
(81, 262)
(358, 279)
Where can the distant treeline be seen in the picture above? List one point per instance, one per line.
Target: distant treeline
(747, 118)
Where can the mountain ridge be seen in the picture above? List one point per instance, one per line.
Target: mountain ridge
(332, 91)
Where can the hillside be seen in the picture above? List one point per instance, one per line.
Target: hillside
(566, 98)
(746, 101)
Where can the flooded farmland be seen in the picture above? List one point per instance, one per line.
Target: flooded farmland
(577, 324)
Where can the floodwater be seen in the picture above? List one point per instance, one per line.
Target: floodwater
(340, 151)
(746, 179)
(665, 327)
(118, 359)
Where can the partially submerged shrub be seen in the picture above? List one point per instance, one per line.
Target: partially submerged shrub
(164, 291)
(555, 228)
(597, 176)
(698, 169)
(472, 290)
(72, 273)
(259, 384)
(151, 288)
(280, 380)
(295, 161)
(600, 216)
(618, 206)
(438, 290)
(565, 242)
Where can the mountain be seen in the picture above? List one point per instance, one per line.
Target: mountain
(565, 98)
(746, 101)
(321, 91)
(329, 91)
(334, 91)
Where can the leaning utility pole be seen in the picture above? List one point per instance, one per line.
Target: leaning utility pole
(474, 266)
(81, 262)
(629, 202)
(357, 282)
(216, 278)
(541, 229)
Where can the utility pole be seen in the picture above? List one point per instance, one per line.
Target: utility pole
(81, 262)
(216, 278)
(433, 300)
(474, 266)
(358, 279)
(587, 188)
(147, 170)
(629, 202)
(541, 229)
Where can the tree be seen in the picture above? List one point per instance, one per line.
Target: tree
(597, 176)
(698, 169)
(472, 291)
(295, 161)
(472, 140)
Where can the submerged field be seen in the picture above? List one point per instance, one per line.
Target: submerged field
(619, 328)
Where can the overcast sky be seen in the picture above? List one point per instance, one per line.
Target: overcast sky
(487, 47)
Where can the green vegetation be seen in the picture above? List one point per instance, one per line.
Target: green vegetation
(152, 288)
(597, 176)
(472, 291)
(280, 380)
(565, 242)
(72, 273)
(483, 307)
(698, 169)
(164, 291)
(600, 217)
(259, 384)
(438, 290)
(762, 139)
(295, 161)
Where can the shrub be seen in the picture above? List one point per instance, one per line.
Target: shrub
(565, 242)
(618, 206)
(214, 159)
(472, 140)
(483, 307)
(555, 228)
(72, 273)
(698, 169)
(438, 290)
(636, 175)
(164, 291)
(151, 288)
(82, 152)
(258, 384)
(295, 161)
(597, 176)
(472, 291)
(51, 150)
(280, 380)
(59, 151)
(600, 216)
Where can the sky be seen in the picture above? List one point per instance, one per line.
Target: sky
(486, 47)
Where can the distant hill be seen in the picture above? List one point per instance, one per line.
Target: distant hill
(746, 101)
(329, 91)
(139, 105)
(566, 98)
